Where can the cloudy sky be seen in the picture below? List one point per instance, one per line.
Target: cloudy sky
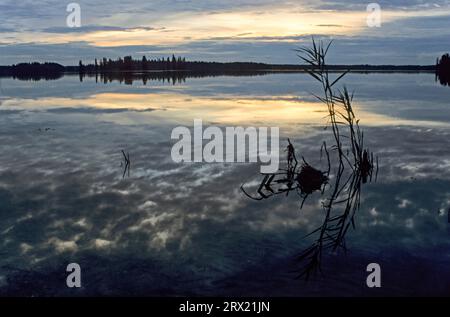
(411, 31)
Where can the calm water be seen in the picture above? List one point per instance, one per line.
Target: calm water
(187, 229)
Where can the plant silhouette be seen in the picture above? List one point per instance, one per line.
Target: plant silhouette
(127, 165)
(350, 162)
(443, 70)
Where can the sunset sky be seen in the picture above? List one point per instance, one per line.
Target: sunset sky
(411, 32)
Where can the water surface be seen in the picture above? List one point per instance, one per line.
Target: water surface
(187, 229)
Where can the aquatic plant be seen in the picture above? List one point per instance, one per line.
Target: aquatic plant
(352, 165)
(127, 165)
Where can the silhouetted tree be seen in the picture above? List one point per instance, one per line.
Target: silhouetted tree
(443, 69)
(144, 63)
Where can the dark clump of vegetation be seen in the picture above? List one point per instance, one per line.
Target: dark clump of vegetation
(304, 180)
(310, 179)
(350, 162)
(443, 70)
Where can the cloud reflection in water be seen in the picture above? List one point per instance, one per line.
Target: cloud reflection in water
(187, 229)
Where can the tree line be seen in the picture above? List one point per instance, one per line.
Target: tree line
(33, 71)
(169, 64)
(107, 69)
(129, 64)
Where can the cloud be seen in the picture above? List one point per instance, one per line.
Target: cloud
(85, 110)
(415, 36)
(356, 5)
(96, 28)
(330, 25)
(6, 29)
(77, 110)
(65, 199)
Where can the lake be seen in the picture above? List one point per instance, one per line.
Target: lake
(188, 229)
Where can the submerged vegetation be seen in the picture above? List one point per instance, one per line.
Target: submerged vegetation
(350, 164)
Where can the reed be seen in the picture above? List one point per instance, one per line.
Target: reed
(352, 165)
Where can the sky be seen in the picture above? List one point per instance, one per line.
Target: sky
(410, 31)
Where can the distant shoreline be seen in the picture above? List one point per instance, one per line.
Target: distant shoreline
(334, 68)
(199, 68)
(179, 72)
(178, 76)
